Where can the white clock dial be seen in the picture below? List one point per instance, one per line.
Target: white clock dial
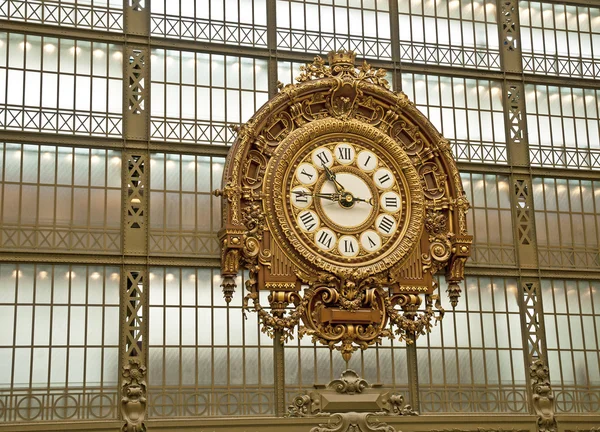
(300, 197)
(366, 161)
(390, 202)
(347, 217)
(307, 174)
(325, 239)
(384, 179)
(370, 241)
(322, 157)
(308, 220)
(348, 246)
(386, 224)
(344, 153)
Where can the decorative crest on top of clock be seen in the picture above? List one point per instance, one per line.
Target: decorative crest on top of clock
(342, 63)
(343, 202)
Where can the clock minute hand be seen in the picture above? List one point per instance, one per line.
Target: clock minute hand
(331, 177)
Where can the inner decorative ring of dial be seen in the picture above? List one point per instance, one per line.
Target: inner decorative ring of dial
(347, 199)
(357, 205)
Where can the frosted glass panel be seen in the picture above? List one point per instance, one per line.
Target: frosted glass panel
(61, 198)
(107, 14)
(567, 222)
(310, 27)
(560, 39)
(468, 112)
(81, 79)
(233, 22)
(184, 215)
(211, 92)
(569, 310)
(449, 32)
(64, 318)
(489, 219)
(477, 352)
(203, 347)
(564, 126)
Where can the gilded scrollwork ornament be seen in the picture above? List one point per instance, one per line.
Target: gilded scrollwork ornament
(335, 148)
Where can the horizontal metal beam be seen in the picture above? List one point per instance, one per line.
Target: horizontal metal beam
(301, 424)
(63, 31)
(70, 425)
(194, 149)
(278, 54)
(593, 3)
(68, 140)
(175, 261)
(42, 138)
(560, 81)
(97, 259)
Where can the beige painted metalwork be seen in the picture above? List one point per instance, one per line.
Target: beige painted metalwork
(114, 127)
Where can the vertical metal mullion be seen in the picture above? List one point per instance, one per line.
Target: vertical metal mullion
(69, 309)
(456, 350)
(468, 318)
(23, 91)
(108, 79)
(595, 327)
(555, 317)
(484, 348)
(394, 20)
(50, 330)
(579, 40)
(89, 190)
(85, 329)
(21, 186)
(582, 328)
(509, 326)
(32, 341)
(164, 330)
(6, 68)
(571, 212)
(103, 332)
(571, 349)
(212, 341)
(165, 205)
(443, 355)
(595, 186)
(561, 242)
(197, 310)
(105, 226)
(180, 347)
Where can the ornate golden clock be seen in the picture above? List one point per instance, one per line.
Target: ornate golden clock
(343, 201)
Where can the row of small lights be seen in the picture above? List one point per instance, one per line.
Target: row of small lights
(169, 277)
(69, 275)
(75, 50)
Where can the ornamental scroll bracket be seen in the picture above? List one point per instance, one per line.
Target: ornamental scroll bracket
(350, 403)
(344, 303)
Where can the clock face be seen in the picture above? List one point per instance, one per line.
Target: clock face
(347, 200)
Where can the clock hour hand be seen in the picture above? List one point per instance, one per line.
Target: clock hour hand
(368, 201)
(329, 196)
(331, 177)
